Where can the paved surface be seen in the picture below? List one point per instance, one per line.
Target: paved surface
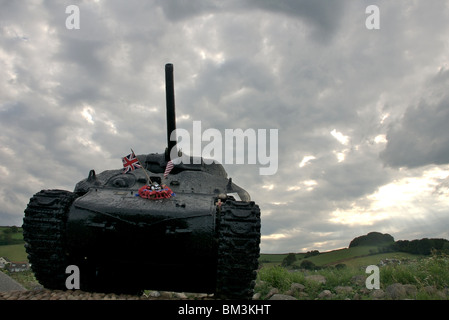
(8, 284)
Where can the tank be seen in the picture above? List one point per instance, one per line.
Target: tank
(202, 236)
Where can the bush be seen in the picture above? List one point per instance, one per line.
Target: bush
(340, 266)
(432, 271)
(311, 253)
(277, 277)
(308, 265)
(289, 260)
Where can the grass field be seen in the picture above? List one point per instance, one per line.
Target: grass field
(14, 252)
(428, 275)
(351, 257)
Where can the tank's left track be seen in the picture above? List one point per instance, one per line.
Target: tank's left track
(44, 234)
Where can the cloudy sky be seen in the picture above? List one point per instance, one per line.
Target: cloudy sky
(362, 114)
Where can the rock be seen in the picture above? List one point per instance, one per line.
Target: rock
(358, 280)
(166, 294)
(154, 294)
(410, 290)
(316, 278)
(396, 291)
(279, 296)
(297, 287)
(343, 289)
(110, 296)
(325, 294)
(433, 292)
(256, 296)
(180, 295)
(377, 294)
(77, 292)
(98, 296)
(303, 295)
(365, 291)
(272, 292)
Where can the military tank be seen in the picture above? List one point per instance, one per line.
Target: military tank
(203, 236)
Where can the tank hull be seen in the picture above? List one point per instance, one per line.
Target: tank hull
(129, 241)
(213, 251)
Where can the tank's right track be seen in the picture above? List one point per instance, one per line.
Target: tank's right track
(238, 249)
(44, 234)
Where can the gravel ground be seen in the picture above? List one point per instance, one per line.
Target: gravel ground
(12, 290)
(45, 294)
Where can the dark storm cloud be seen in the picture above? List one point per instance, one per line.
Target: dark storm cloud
(175, 10)
(323, 15)
(421, 136)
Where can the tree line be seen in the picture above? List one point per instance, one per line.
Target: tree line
(386, 243)
(423, 246)
(6, 235)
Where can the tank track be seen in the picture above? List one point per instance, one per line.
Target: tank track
(44, 235)
(238, 249)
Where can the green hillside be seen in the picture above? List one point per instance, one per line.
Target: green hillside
(364, 250)
(12, 244)
(354, 257)
(14, 252)
(11, 235)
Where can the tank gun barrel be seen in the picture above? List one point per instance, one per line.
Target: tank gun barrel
(170, 101)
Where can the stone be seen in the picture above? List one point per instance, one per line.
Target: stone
(279, 296)
(154, 294)
(180, 295)
(377, 294)
(431, 290)
(316, 278)
(410, 290)
(325, 294)
(256, 296)
(396, 291)
(167, 294)
(358, 280)
(272, 292)
(343, 289)
(297, 287)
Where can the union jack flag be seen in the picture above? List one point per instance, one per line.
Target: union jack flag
(130, 163)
